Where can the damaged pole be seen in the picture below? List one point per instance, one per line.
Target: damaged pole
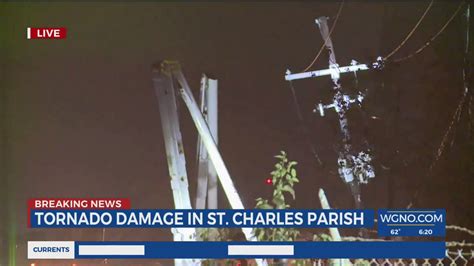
(172, 70)
(341, 106)
(354, 169)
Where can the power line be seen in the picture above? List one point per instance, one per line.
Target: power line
(411, 32)
(457, 114)
(303, 124)
(466, 74)
(452, 125)
(432, 38)
(330, 32)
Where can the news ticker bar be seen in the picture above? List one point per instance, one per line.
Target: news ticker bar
(220, 250)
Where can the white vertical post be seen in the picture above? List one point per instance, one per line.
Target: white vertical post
(207, 177)
(202, 157)
(325, 205)
(212, 107)
(333, 231)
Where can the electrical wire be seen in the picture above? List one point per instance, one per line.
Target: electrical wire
(329, 36)
(466, 74)
(303, 124)
(456, 116)
(365, 119)
(432, 38)
(452, 125)
(410, 33)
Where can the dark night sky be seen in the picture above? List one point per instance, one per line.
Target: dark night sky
(81, 119)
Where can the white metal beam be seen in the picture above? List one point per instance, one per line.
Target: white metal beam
(212, 115)
(173, 140)
(207, 177)
(202, 157)
(166, 95)
(326, 72)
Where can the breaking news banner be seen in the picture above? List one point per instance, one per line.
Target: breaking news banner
(201, 218)
(104, 213)
(76, 204)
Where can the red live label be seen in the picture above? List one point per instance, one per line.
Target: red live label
(45, 33)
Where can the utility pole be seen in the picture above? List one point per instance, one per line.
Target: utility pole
(354, 169)
(341, 105)
(207, 177)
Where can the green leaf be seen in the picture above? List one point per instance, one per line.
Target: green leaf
(279, 201)
(290, 190)
(325, 237)
(265, 206)
(293, 172)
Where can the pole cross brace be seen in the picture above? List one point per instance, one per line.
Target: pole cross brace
(340, 103)
(335, 70)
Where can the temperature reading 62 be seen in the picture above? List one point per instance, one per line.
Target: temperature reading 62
(425, 232)
(395, 232)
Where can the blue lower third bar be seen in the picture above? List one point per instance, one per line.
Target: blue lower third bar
(218, 250)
